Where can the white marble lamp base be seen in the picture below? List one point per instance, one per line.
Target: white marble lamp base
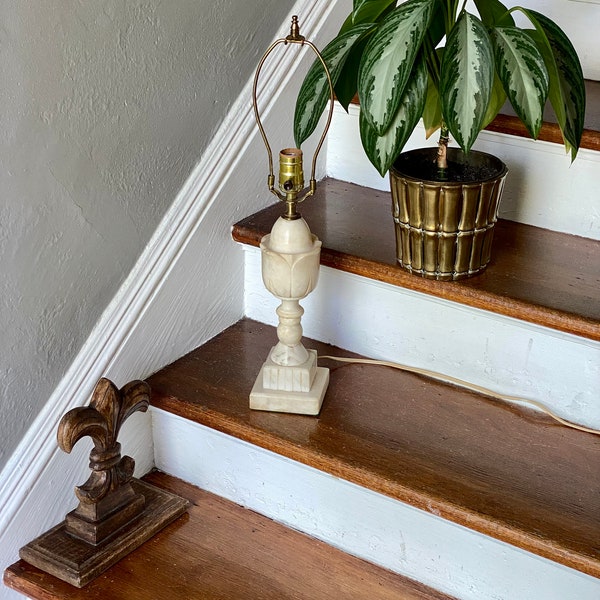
(297, 389)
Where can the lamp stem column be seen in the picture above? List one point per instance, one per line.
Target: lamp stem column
(289, 350)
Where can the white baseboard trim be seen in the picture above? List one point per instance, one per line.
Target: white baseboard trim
(167, 305)
(414, 543)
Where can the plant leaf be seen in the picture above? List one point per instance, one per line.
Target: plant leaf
(432, 111)
(494, 14)
(437, 26)
(388, 60)
(314, 92)
(346, 25)
(368, 11)
(466, 79)
(497, 100)
(521, 69)
(567, 86)
(383, 150)
(347, 82)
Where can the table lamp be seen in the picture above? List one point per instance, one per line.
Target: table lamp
(290, 380)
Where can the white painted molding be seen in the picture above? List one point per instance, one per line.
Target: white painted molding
(503, 354)
(542, 188)
(185, 288)
(414, 543)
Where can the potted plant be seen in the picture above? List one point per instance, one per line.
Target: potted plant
(432, 59)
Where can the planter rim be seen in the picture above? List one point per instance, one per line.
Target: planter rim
(492, 160)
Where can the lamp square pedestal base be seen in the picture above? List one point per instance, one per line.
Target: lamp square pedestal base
(300, 403)
(289, 378)
(78, 562)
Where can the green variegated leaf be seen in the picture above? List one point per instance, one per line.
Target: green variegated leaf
(494, 14)
(368, 11)
(347, 82)
(383, 150)
(346, 86)
(523, 73)
(388, 60)
(567, 86)
(497, 100)
(432, 111)
(466, 79)
(314, 92)
(346, 25)
(437, 25)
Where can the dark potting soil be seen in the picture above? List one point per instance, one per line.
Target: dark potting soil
(473, 167)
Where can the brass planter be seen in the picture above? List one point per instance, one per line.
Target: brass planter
(444, 230)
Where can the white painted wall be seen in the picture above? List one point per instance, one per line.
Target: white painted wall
(579, 19)
(106, 108)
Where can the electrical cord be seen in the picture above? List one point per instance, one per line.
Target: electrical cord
(471, 386)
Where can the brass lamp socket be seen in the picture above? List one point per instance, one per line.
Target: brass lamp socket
(291, 176)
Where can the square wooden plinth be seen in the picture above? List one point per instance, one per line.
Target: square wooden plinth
(78, 562)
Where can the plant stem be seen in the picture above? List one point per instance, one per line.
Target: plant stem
(442, 159)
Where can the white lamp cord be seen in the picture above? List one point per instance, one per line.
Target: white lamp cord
(466, 384)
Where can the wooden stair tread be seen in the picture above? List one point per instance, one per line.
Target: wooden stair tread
(543, 277)
(222, 551)
(495, 468)
(508, 122)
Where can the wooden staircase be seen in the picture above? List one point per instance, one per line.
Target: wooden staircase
(428, 480)
(221, 551)
(498, 469)
(506, 472)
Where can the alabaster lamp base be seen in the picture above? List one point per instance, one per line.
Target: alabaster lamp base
(297, 389)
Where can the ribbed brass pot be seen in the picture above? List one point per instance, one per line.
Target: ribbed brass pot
(444, 229)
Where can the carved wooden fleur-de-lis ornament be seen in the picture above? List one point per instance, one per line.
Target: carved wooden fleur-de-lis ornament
(102, 420)
(117, 513)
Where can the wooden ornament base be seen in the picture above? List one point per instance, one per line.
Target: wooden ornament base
(78, 562)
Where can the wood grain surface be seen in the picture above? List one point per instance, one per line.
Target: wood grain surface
(62, 553)
(551, 279)
(220, 551)
(501, 470)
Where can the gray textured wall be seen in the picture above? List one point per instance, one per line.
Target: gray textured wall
(107, 106)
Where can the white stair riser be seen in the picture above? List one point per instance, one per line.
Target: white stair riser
(502, 354)
(542, 188)
(420, 545)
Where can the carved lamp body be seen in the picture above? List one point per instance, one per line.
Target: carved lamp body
(290, 380)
